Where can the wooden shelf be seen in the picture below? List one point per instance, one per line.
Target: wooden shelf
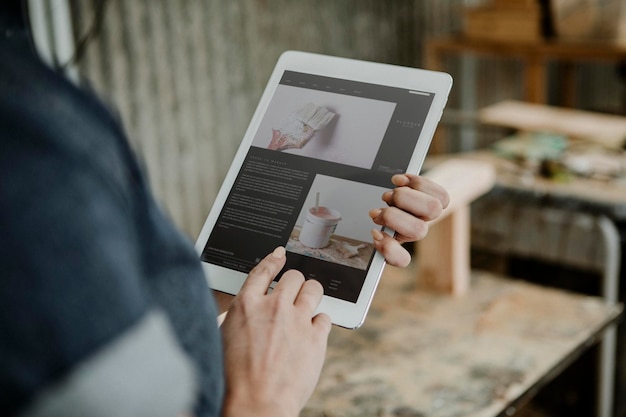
(534, 56)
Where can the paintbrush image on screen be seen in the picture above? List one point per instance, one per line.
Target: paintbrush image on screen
(299, 127)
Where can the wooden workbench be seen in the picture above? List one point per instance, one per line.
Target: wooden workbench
(571, 223)
(433, 355)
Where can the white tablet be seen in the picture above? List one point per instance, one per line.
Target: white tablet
(319, 152)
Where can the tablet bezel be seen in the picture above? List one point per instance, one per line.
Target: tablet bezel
(343, 313)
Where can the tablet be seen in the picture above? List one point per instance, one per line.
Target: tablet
(321, 148)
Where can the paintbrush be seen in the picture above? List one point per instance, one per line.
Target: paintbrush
(299, 127)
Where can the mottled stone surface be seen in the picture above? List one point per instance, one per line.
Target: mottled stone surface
(432, 355)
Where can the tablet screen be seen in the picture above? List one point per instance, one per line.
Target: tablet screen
(321, 158)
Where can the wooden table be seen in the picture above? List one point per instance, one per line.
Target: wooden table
(483, 354)
(603, 201)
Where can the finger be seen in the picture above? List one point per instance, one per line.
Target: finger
(310, 296)
(262, 275)
(416, 202)
(289, 285)
(408, 227)
(322, 321)
(391, 249)
(423, 184)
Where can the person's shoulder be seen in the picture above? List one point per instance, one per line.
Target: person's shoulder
(23, 76)
(44, 114)
(29, 87)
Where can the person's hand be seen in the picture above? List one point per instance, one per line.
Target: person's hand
(274, 347)
(412, 204)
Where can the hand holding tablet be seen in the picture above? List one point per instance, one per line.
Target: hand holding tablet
(416, 201)
(324, 144)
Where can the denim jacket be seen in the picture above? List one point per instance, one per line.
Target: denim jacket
(104, 307)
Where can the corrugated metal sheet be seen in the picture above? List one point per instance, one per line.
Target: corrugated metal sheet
(186, 75)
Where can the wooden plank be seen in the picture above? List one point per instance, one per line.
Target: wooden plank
(512, 24)
(535, 79)
(464, 179)
(609, 130)
(443, 256)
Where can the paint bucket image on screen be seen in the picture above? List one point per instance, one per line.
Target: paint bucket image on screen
(319, 225)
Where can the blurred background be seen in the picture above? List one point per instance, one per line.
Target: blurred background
(185, 77)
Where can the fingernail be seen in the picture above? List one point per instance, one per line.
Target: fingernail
(399, 180)
(377, 234)
(375, 213)
(387, 195)
(279, 252)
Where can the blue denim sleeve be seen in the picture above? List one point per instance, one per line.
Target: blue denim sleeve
(85, 254)
(69, 262)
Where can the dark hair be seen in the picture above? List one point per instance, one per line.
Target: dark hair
(15, 27)
(15, 24)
